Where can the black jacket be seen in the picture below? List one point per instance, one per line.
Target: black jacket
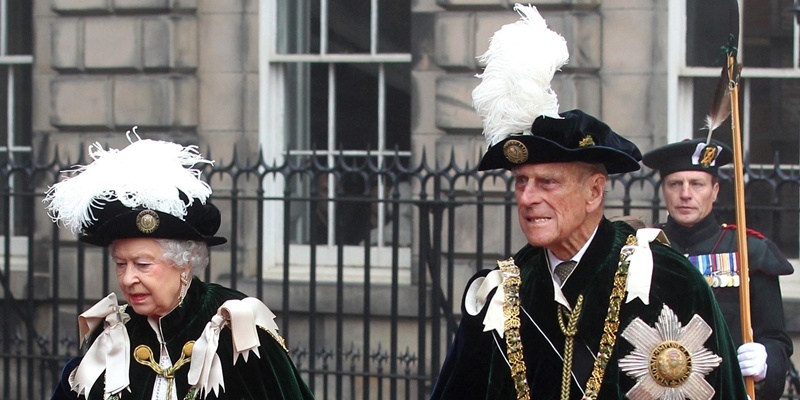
(765, 263)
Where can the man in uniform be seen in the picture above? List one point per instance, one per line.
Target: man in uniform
(690, 188)
(588, 308)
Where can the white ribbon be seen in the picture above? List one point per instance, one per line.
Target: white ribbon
(476, 298)
(640, 269)
(243, 317)
(110, 352)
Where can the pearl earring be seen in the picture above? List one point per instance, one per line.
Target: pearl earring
(184, 286)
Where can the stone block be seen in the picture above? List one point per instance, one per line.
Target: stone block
(80, 6)
(41, 104)
(184, 5)
(250, 47)
(141, 5)
(140, 101)
(156, 42)
(486, 24)
(170, 43)
(43, 49)
(454, 102)
(627, 104)
(578, 91)
(423, 100)
(112, 43)
(66, 43)
(217, 7)
(81, 102)
(638, 55)
(454, 46)
(217, 90)
(582, 31)
(472, 3)
(251, 103)
(183, 92)
(221, 42)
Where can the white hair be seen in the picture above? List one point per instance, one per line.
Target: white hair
(183, 253)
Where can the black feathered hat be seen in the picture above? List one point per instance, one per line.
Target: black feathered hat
(519, 109)
(575, 137)
(148, 189)
(689, 155)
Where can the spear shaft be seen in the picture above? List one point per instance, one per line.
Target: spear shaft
(741, 222)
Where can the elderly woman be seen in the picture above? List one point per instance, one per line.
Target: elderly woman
(177, 337)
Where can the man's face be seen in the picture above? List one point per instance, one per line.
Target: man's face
(690, 196)
(559, 204)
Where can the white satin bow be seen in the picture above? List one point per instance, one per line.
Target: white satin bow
(640, 272)
(110, 352)
(243, 317)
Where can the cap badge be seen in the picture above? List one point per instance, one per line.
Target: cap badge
(147, 221)
(709, 155)
(587, 141)
(515, 151)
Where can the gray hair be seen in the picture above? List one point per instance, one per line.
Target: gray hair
(185, 252)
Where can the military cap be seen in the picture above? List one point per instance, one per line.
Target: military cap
(689, 155)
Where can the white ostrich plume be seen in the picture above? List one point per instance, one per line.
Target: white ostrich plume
(146, 173)
(515, 85)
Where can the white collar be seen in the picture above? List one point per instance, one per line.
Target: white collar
(552, 261)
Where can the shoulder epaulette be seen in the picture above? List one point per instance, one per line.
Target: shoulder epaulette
(751, 232)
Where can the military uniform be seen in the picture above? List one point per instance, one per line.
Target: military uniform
(476, 367)
(765, 263)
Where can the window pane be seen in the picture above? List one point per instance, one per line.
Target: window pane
(348, 26)
(20, 39)
(394, 18)
(22, 105)
(708, 26)
(295, 26)
(774, 122)
(768, 34)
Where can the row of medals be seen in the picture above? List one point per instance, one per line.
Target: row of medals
(724, 279)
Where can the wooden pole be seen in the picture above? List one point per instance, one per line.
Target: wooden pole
(741, 222)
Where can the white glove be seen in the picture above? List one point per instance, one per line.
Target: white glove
(753, 360)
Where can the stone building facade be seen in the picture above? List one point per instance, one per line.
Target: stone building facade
(226, 75)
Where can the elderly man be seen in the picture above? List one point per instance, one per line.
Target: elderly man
(588, 308)
(690, 188)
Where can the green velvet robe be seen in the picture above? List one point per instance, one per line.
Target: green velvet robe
(766, 263)
(476, 369)
(272, 376)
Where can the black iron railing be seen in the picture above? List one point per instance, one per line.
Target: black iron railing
(363, 260)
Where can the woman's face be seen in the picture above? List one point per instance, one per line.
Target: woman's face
(150, 285)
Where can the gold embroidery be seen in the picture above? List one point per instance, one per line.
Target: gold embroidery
(512, 324)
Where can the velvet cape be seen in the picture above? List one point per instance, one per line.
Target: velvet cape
(271, 376)
(765, 263)
(475, 367)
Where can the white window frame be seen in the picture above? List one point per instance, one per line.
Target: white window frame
(272, 118)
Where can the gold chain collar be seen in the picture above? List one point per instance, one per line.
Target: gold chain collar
(513, 338)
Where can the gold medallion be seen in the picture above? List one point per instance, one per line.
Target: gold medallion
(670, 364)
(515, 151)
(147, 221)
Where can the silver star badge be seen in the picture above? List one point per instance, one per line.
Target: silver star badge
(669, 361)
